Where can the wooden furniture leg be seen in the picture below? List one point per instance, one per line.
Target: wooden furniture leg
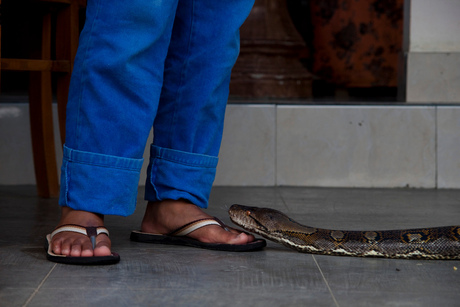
(41, 121)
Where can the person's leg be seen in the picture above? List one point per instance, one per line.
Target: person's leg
(188, 127)
(113, 99)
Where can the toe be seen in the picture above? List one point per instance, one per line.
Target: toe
(64, 248)
(103, 247)
(242, 238)
(56, 247)
(76, 249)
(86, 249)
(216, 234)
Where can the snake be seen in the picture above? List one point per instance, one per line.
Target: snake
(437, 243)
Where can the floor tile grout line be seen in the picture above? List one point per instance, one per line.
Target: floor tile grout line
(327, 284)
(276, 145)
(282, 199)
(39, 286)
(436, 149)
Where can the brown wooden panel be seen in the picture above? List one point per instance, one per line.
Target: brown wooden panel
(35, 65)
(357, 42)
(79, 2)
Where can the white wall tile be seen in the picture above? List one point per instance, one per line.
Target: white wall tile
(433, 77)
(143, 176)
(356, 146)
(445, 36)
(448, 151)
(16, 158)
(247, 155)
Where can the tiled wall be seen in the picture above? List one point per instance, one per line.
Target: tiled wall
(341, 146)
(356, 146)
(338, 146)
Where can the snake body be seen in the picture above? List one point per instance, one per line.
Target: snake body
(422, 243)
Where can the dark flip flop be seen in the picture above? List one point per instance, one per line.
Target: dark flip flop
(92, 233)
(178, 237)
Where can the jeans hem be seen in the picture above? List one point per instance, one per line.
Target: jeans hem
(99, 183)
(174, 174)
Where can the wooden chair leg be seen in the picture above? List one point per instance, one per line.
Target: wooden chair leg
(41, 122)
(62, 93)
(41, 125)
(67, 33)
(0, 45)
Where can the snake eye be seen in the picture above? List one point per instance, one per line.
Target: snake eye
(248, 213)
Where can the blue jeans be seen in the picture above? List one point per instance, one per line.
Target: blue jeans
(142, 63)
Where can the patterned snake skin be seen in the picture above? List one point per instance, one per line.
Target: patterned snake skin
(424, 243)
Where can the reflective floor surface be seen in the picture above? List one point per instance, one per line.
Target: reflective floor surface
(154, 275)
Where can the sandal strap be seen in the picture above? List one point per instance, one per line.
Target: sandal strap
(192, 226)
(87, 231)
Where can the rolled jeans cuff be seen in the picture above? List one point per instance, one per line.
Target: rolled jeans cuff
(174, 174)
(99, 183)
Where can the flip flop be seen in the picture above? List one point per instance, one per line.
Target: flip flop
(178, 237)
(92, 233)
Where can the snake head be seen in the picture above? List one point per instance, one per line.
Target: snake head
(259, 220)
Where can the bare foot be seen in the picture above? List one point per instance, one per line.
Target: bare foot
(166, 216)
(78, 245)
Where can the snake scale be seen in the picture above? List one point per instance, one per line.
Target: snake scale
(424, 243)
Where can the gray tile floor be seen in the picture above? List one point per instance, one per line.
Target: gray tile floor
(277, 276)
